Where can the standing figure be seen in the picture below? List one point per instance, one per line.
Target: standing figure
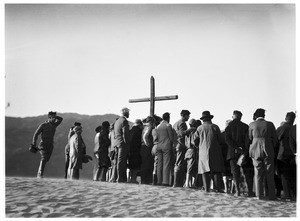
(67, 149)
(113, 154)
(286, 157)
(121, 134)
(236, 137)
(227, 176)
(263, 135)
(190, 155)
(47, 131)
(134, 157)
(181, 130)
(102, 143)
(77, 153)
(146, 148)
(164, 150)
(211, 164)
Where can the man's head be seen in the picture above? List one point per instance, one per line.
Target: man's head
(259, 113)
(139, 123)
(193, 123)
(166, 117)
(206, 116)
(150, 120)
(105, 125)
(125, 112)
(77, 129)
(237, 115)
(290, 117)
(185, 115)
(51, 116)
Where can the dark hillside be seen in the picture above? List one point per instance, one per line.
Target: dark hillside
(19, 161)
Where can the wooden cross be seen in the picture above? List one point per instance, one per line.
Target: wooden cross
(152, 98)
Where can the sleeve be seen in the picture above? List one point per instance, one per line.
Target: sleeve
(292, 139)
(228, 137)
(58, 121)
(146, 136)
(196, 138)
(36, 134)
(170, 134)
(125, 130)
(247, 141)
(182, 129)
(250, 134)
(75, 146)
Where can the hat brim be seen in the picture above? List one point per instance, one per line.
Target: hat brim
(209, 117)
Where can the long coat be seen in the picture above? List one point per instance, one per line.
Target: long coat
(208, 135)
(77, 152)
(134, 157)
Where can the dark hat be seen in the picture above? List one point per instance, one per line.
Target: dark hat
(193, 122)
(238, 113)
(105, 124)
(77, 124)
(259, 112)
(185, 112)
(51, 113)
(206, 114)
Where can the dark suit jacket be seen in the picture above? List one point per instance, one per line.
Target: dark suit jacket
(236, 135)
(284, 151)
(264, 139)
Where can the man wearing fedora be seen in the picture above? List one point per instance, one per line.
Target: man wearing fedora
(263, 135)
(47, 131)
(121, 135)
(237, 140)
(211, 165)
(181, 130)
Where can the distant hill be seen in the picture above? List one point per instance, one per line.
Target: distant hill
(19, 161)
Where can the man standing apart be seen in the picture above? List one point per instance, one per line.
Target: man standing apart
(47, 131)
(181, 130)
(121, 134)
(263, 135)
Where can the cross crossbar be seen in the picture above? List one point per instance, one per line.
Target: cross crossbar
(152, 98)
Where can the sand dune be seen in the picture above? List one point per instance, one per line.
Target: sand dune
(31, 197)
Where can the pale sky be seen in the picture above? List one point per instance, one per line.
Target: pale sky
(91, 59)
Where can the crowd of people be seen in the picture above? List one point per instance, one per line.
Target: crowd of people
(256, 159)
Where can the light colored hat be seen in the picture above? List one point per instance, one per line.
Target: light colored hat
(125, 110)
(77, 128)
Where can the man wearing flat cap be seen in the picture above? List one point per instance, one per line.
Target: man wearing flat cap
(237, 140)
(181, 130)
(121, 139)
(47, 131)
(210, 164)
(263, 135)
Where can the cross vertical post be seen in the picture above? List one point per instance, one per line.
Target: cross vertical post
(152, 96)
